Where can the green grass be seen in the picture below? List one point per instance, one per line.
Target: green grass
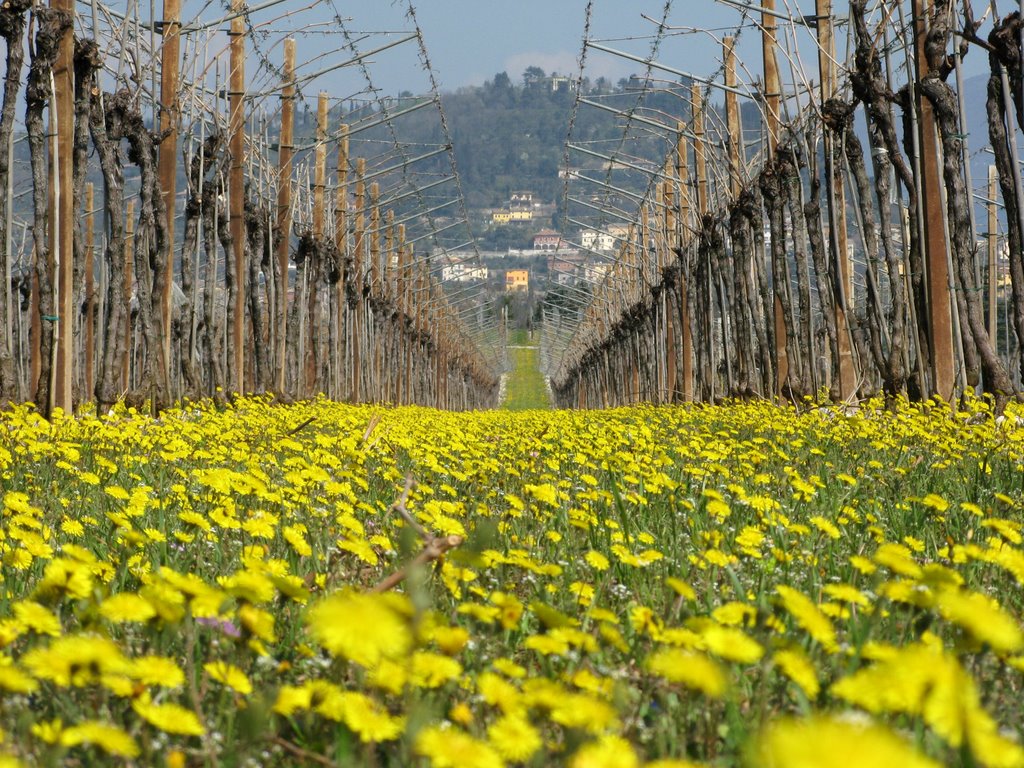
(525, 388)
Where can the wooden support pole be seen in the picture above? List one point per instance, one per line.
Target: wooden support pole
(686, 333)
(313, 267)
(62, 232)
(90, 296)
(284, 205)
(129, 279)
(359, 246)
(667, 237)
(320, 165)
(375, 287)
(837, 207)
(772, 98)
(167, 160)
(936, 256)
(992, 238)
(236, 188)
(772, 86)
(732, 119)
(341, 241)
(699, 149)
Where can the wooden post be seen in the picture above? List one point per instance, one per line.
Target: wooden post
(320, 165)
(284, 205)
(90, 296)
(667, 237)
(699, 149)
(686, 335)
(772, 97)
(936, 264)
(167, 160)
(313, 335)
(129, 279)
(837, 206)
(732, 119)
(376, 363)
(341, 241)
(993, 254)
(357, 269)
(62, 232)
(236, 188)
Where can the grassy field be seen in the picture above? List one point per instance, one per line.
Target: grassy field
(322, 584)
(525, 388)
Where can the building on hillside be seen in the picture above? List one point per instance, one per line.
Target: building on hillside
(520, 215)
(463, 272)
(547, 240)
(501, 217)
(521, 201)
(595, 273)
(517, 280)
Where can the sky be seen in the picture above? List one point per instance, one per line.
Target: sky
(469, 41)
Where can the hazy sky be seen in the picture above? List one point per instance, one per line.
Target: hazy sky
(469, 41)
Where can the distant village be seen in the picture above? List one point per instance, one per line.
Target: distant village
(547, 257)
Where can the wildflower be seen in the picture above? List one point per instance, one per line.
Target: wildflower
(514, 738)
(156, 670)
(798, 668)
(731, 644)
(361, 628)
(982, 618)
(432, 670)
(596, 560)
(75, 660)
(229, 675)
(607, 752)
(824, 742)
(13, 679)
(808, 616)
(35, 617)
(169, 718)
(109, 738)
(367, 719)
(451, 748)
(127, 607)
(691, 668)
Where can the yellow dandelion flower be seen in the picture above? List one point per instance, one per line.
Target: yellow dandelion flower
(368, 720)
(582, 711)
(982, 618)
(169, 718)
(157, 670)
(808, 616)
(37, 618)
(111, 739)
(596, 560)
(681, 588)
(609, 751)
(432, 670)
(127, 607)
(13, 679)
(731, 644)
(514, 738)
(692, 669)
(229, 675)
(827, 742)
(76, 660)
(451, 748)
(363, 628)
(797, 667)
(258, 622)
